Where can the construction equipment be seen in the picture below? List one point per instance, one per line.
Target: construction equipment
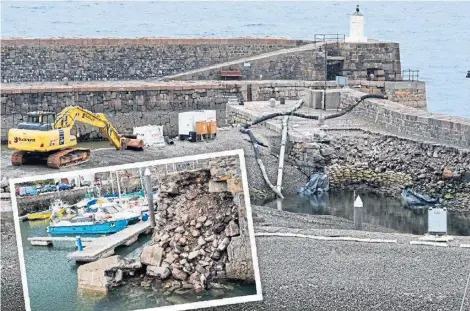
(46, 136)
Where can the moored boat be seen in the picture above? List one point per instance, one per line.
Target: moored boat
(84, 226)
(57, 206)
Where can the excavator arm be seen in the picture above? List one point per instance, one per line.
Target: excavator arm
(71, 114)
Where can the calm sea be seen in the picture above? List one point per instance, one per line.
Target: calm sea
(434, 36)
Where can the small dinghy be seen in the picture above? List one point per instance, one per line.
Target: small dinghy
(57, 206)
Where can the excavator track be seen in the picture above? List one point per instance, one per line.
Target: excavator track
(68, 157)
(18, 158)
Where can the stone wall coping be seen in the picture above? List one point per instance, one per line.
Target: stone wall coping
(139, 85)
(156, 41)
(389, 84)
(415, 114)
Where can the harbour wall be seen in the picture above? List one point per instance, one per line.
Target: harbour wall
(397, 118)
(408, 93)
(131, 104)
(384, 162)
(86, 59)
(359, 60)
(41, 202)
(97, 59)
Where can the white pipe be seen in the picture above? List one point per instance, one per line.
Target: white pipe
(428, 243)
(326, 238)
(281, 159)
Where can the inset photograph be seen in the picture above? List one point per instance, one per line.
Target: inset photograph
(173, 234)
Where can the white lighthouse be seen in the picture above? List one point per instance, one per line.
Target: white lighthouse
(357, 28)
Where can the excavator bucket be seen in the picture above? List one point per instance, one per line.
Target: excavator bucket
(131, 142)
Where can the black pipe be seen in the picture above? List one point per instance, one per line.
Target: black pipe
(312, 117)
(168, 140)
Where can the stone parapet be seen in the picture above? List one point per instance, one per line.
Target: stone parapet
(398, 118)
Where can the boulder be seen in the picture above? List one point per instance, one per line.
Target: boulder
(178, 274)
(152, 255)
(235, 185)
(193, 255)
(217, 186)
(195, 233)
(232, 229)
(223, 244)
(159, 272)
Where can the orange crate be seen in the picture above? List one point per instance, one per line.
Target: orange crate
(201, 128)
(212, 126)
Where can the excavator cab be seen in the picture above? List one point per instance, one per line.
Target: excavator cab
(39, 121)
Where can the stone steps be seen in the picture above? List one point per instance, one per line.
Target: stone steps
(307, 47)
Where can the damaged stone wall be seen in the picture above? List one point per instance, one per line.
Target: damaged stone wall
(430, 168)
(202, 233)
(389, 182)
(387, 164)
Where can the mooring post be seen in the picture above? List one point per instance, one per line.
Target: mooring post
(358, 206)
(148, 185)
(79, 243)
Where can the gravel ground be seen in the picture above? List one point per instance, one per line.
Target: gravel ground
(298, 273)
(11, 289)
(304, 274)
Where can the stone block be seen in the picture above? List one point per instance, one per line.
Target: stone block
(235, 185)
(159, 272)
(102, 274)
(152, 255)
(217, 186)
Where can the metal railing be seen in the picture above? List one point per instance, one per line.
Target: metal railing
(410, 75)
(325, 37)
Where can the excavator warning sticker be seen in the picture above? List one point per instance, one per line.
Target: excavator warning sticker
(61, 137)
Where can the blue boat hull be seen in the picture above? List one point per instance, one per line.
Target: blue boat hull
(95, 228)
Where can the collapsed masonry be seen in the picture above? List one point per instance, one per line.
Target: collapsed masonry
(202, 232)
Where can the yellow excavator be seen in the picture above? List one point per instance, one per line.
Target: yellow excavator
(46, 136)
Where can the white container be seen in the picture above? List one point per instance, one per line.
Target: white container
(152, 135)
(187, 120)
(211, 115)
(185, 124)
(437, 220)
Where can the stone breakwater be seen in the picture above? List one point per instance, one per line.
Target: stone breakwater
(85, 59)
(202, 231)
(396, 118)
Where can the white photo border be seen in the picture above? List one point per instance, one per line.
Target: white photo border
(187, 306)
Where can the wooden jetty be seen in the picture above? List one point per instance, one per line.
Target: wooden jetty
(104, 246)
(47, 240)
